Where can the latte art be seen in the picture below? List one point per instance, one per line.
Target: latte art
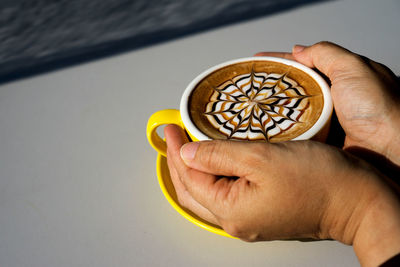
(256, 106)
(255, 100)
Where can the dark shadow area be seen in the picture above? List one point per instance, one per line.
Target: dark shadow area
(336, 133)
(384, 165)
(389, 169)
(44, 35)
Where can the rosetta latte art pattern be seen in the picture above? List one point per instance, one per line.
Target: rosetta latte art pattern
(256, 106)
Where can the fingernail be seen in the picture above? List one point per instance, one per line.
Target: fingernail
(298, 48)
(188, 151)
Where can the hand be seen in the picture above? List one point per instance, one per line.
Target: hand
(366, 96)
(286, 190)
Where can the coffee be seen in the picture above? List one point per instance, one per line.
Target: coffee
(256, 100)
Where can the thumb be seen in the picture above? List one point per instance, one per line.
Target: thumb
(220, 157)
(329, 58)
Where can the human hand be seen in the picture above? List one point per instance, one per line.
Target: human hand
(286, 190)
(366, 96)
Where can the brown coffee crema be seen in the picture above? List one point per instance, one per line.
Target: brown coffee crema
(256, 100)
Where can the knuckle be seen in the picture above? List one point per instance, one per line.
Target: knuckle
(211, 153)
(240, 231)
(182, 200)
(251, 155)
(208, 149)
(356, 60)
(233, 229)
(323, 45)
(258, 153)
(348, 66)
(252, 237)
(253, 158)
(268, 151)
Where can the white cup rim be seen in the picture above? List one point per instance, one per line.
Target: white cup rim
(316, 128)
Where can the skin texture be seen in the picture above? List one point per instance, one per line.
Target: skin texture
(329, 193)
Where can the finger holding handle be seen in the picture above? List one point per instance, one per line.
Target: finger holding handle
(162, 117)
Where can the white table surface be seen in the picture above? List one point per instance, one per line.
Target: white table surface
(78, 183)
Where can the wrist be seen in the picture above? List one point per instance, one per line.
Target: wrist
(364, 212)
(377, 237)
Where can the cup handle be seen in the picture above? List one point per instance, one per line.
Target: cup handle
(162, 117)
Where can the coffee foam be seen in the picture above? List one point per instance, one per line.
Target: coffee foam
(256, 101)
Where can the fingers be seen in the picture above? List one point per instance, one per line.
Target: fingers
(175, 136)
(275, 54)
(228, 158)
(200, 186)
(331, 59)
(185, 198)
